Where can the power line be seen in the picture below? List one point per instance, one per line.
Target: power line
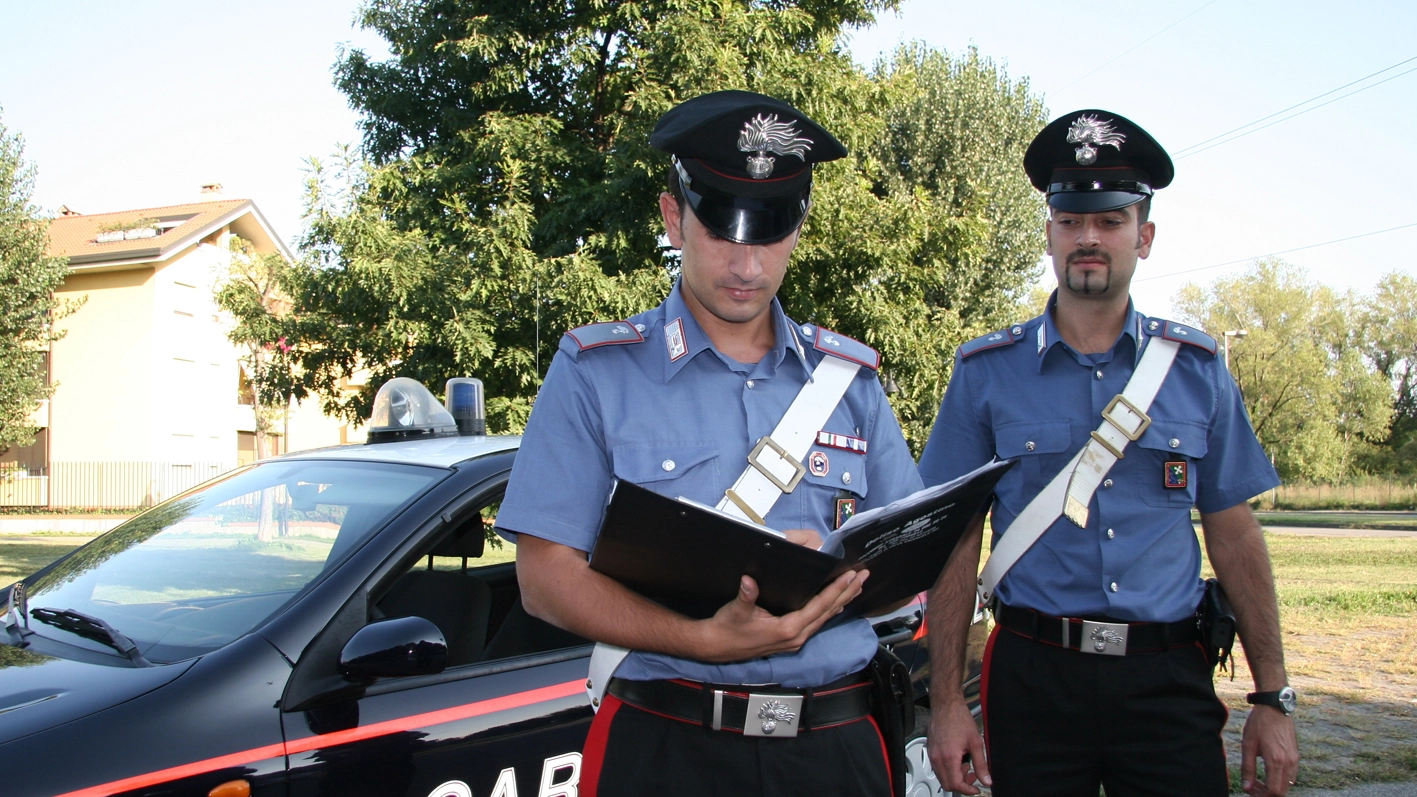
(1193, 149)
(1275, 254)
(1138, 44)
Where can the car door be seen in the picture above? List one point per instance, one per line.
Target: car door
(507, 717)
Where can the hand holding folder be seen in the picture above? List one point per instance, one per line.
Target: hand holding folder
(690, 557)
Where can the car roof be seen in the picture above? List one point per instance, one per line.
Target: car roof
(443, 452)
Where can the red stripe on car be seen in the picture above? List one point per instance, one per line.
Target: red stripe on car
(426, 720)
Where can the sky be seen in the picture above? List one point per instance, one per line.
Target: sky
(136, 104)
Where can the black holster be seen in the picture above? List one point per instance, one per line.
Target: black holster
(1217, 626)
(893, 707)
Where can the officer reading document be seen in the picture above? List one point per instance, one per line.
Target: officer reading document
(676, 400)
(1120, 422)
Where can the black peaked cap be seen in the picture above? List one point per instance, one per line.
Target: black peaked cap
(745, 162)
(1091, 160)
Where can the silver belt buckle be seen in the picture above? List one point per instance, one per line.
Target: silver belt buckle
(1108, 639)
(773, 715)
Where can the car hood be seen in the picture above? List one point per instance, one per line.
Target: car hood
(38, 691)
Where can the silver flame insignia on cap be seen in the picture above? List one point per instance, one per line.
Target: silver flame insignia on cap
(1087, 130)
(764, 134)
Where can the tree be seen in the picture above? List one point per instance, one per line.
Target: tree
(1389, 325)
(251, 292)
(28, 278)
(505, 191)
(1315, 404)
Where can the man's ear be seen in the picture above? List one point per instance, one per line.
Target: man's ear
(1048, 237)
(1145, 235)
(673, 220)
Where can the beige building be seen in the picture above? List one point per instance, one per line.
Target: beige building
(148, 396)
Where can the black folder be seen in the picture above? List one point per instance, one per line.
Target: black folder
(690, 557)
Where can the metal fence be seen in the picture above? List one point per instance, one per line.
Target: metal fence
(103, 485)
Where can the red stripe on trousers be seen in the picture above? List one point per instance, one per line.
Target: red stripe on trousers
(984, 684)
(593, 755)
(885, 755)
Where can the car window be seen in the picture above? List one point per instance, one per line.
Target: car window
(465, 582)
(195, 573)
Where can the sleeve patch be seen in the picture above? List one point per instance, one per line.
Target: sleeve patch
(604, 333)
(993, 340)
(839, 345)
(1171, 330)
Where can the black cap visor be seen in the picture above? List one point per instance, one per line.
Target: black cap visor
(748, 220)
(1095, 197)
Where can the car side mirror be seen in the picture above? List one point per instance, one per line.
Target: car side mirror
(395, 648)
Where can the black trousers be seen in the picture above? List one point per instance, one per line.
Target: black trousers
(1061, 722)
(631, 752)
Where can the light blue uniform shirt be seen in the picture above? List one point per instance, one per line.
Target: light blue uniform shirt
(1024, 394)
(683, 426)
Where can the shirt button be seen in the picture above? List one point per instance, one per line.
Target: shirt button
(667, 464)
(1099, 374)
(1111, 534)
(846, 477)
(1107, 483)
(1174, 443)
(1114, 586)
(1029, 446)
(750, 384)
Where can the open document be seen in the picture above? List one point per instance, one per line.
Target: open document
(689, 557)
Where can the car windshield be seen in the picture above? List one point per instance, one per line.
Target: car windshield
(191, 575)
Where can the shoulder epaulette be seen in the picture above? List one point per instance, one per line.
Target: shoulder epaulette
(1172, 330)
(605, 333)
(839, 345)
(993, 340)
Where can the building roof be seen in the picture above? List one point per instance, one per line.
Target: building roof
(177, 228)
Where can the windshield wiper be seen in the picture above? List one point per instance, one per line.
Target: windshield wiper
(92, 628)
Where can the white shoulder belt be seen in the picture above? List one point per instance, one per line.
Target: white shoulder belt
(774, 468)
(1070, 492)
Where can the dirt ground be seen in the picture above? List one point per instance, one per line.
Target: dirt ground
(1357, 718)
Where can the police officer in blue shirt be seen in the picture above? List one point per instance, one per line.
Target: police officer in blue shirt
(675, 399)
(1094, 675)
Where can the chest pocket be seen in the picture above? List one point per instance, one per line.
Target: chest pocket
(835, 469)
(1041, 448)
(1167, 460)
(668, 469)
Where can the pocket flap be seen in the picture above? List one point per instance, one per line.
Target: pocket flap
(1187, 438)
(646, 463)
(1032, 437)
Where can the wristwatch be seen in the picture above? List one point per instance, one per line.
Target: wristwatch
(1285, 699)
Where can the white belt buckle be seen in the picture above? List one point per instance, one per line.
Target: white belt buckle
(773, 715)
(1108, 639)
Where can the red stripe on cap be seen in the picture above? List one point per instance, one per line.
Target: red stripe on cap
(735, 177)
(245, 757)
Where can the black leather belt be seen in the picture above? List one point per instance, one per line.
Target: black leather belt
(753, 711)
(1106, 637)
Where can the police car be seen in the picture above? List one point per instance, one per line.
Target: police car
(332, 622)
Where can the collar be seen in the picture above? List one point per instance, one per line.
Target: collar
(696, 340)
(1047, 335)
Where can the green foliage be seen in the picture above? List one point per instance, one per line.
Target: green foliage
(1389, 339)
(1315, 404)
(27, 305)
(124, 226)
(251, 291)
(506, 192)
